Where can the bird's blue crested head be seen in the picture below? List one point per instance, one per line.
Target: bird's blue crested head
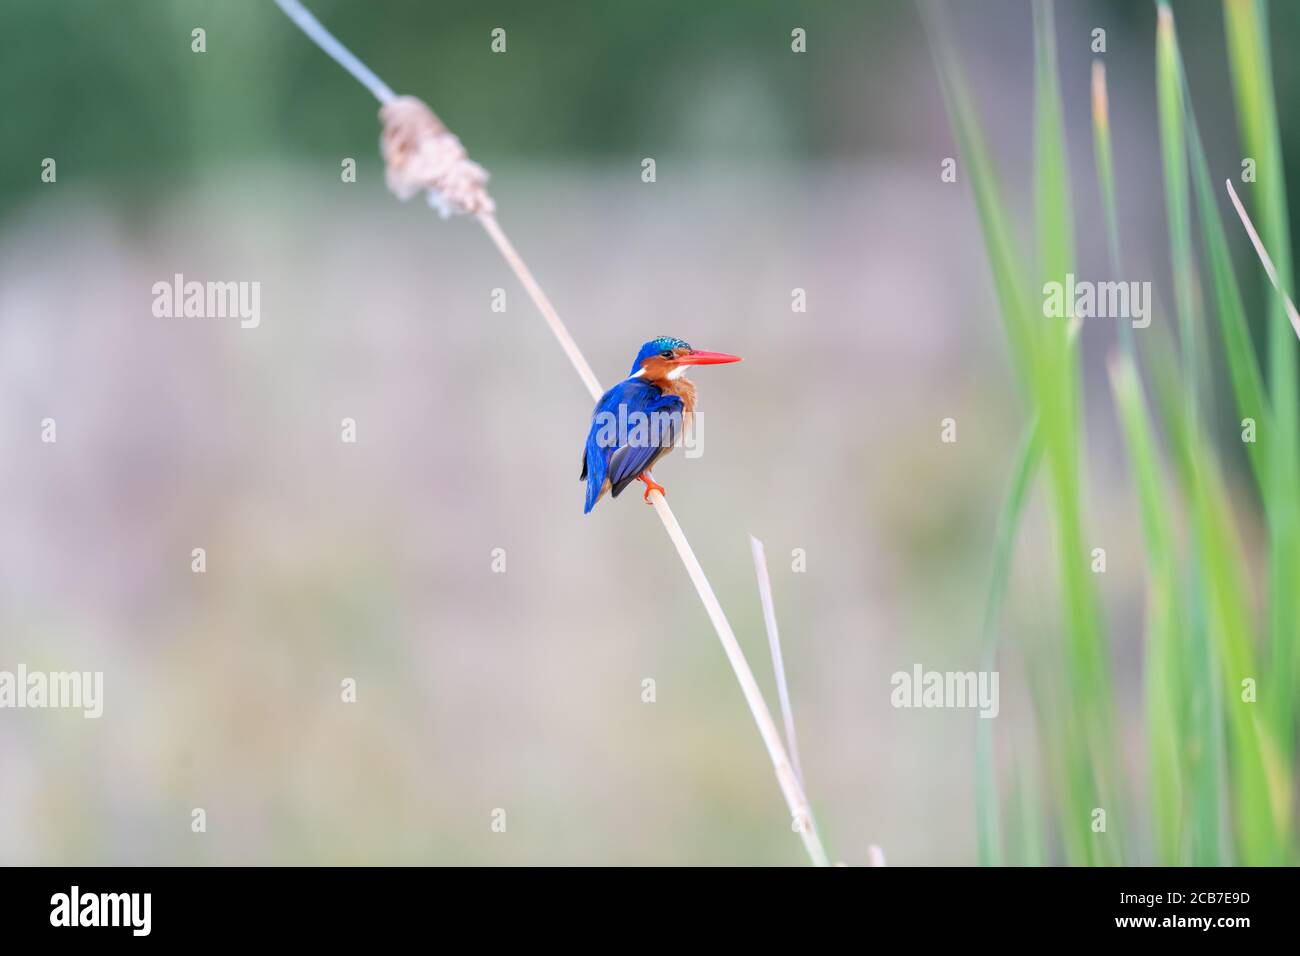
(664, 345)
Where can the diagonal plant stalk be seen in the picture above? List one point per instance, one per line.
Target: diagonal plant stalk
(1239, 351)
(1173, 147)
(1250, 61)
(987, 802)
(1206, 759)
(787, 778)
(1255, 746)
(1264, 258)
(774, 645)
(1165, 729)
(1105, 161)
(1163, 617)
(1082, 740)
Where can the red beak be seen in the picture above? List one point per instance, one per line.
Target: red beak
(696, 357)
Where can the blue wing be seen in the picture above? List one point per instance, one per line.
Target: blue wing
(633, 424)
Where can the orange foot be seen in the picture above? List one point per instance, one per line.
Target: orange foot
(651, 485)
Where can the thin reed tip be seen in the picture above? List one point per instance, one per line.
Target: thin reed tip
(1100, 101)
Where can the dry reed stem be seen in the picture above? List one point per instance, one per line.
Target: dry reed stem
(774, 645)
(785, 775)
(800, 813)
(341, 55)
(1265, 259)
(516, 263)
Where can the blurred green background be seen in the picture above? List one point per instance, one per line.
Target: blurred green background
(522, 690)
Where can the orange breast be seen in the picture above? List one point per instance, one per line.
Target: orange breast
(683, 388)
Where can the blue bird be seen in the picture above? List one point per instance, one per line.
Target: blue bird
(637, 421)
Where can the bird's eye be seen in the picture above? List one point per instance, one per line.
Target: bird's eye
(667, 353)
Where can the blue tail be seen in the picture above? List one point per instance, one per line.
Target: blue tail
(593, 470)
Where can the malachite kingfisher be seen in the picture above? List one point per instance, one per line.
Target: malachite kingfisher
(638, 420)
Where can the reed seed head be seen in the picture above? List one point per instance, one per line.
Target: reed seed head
(422, 155)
